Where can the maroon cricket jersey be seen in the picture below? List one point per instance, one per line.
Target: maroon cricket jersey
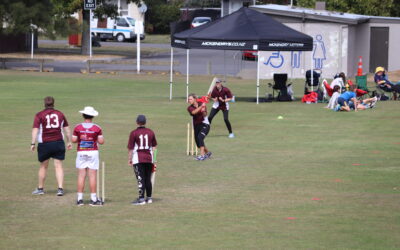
(199, 117)
(50, 123)
(87, 134)
(224, 93)
(141, 141)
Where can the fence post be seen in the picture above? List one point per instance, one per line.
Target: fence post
(209, 68)
(88, 66)
(41, 64)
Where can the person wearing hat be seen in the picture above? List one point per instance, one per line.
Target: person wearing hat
(87, 135)
(142, 147)
(221, 95)
(47, 130)
(383, 82)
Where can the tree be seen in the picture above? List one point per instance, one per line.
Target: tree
(395, 11)
(16, 16)
(160, 14)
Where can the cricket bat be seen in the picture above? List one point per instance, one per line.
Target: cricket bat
(153, 175)
(212, 85)
(153, 171)
(206, 98)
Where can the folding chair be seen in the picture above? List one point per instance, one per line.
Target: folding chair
(361, 82)
(384, 92)
(279, 84)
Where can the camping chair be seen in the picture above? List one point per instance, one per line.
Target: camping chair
(279, 84)
(361, 82)
(315, 82)
(384, 93)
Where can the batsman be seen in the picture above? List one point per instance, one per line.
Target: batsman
(141, 155)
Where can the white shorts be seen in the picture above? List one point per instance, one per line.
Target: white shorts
(87, 159)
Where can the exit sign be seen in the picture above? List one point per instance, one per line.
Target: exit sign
(90, 5)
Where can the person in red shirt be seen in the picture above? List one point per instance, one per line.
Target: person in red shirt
(198, 111)
(88, 135)
(142, 145)
(47, 130)
(221, 95)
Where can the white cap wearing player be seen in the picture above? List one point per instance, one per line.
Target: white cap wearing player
(88, 110)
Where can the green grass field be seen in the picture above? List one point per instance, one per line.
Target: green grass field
(316, 179)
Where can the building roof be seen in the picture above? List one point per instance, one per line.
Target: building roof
(321, 15)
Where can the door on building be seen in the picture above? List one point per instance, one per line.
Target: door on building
(379, 48)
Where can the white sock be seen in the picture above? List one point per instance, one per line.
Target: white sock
(93, 196)
(80, 196)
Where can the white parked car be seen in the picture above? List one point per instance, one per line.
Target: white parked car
(122, 28)
(200, 20)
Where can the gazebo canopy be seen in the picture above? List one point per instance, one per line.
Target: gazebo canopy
(244, 29)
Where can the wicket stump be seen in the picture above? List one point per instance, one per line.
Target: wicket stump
(191, 149)
(101, 184)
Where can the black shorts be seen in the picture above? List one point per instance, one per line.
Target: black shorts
(54, 149)
(200, 132)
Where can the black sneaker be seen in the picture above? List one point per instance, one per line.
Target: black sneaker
(96, 203)
(60, 192)
(139, 201)
(38, 191)
(208, 154)
(80, 203)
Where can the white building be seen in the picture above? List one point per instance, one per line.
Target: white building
(230, 6)
(339, 40)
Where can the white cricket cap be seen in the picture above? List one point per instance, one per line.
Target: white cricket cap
(89, 111)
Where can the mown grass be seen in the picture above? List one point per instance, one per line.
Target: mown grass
(256, 193)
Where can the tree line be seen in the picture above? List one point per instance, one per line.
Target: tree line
(53, 17)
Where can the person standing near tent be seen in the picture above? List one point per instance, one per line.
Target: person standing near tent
(201, 125)
(87, 135)
(47, 130)
(221, 95)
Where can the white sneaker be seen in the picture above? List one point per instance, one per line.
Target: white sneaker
(231, 135)
(373, 103)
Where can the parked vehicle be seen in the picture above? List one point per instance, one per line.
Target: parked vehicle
(200, 20)
(121, 28)
(249, 55)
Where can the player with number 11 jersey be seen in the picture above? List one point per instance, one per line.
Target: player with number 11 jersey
(141, 146)
(141, 142)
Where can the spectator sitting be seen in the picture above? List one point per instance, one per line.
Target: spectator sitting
(364, 104)
(335, 95)
(345, 98)
(339, 80)
(383, 82)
